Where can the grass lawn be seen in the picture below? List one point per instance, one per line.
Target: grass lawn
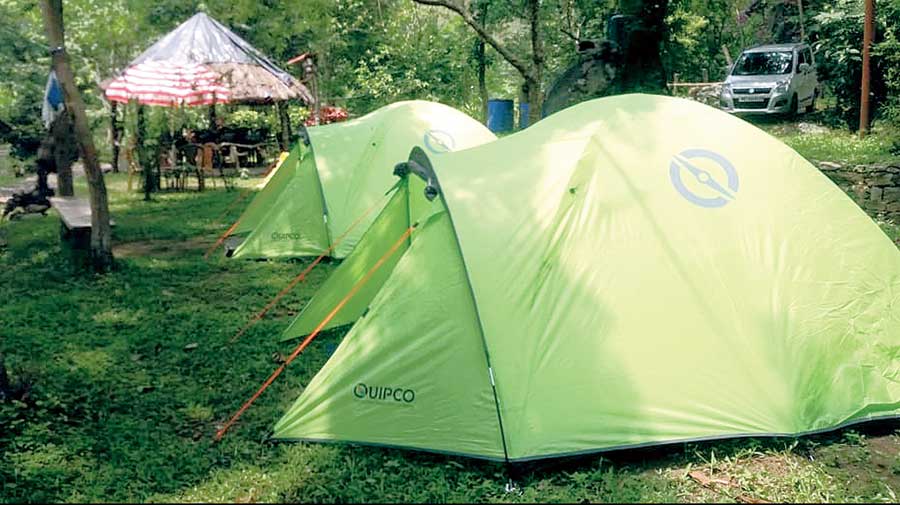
(130, 374)
(818, 142)
(9, 179)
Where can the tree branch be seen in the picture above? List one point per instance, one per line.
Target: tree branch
(569, 34)
(460, 8)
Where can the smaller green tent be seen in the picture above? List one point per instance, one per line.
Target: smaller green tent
(330, 188)
(651, 271)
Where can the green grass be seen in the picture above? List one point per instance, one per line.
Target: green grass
(821, 143)
(844, 147)
(120, 410)
(9, 179)
(892, 230)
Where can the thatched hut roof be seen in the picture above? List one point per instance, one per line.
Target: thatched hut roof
(254, 84)
(250, 76)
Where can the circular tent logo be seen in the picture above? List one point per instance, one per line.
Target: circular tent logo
(439, 141)
(712, 188)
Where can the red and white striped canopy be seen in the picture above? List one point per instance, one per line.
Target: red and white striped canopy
(168, 84)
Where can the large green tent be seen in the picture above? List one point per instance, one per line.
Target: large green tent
(630, 271)
(322, 193)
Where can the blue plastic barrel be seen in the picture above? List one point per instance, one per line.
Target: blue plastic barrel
(500, 115)
(523, 116)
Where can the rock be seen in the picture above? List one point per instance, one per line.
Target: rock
(811, 128)
(891, 195)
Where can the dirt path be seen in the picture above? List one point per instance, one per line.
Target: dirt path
(25, 183)
(30, 181)
(190, 247)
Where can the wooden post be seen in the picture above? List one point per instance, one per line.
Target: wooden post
(101, 235)
(800, 15)
(868, 35)
(310, 74)
(285, 121)
(114, 134)
(317, 99)
(213, 126)
(143, 161)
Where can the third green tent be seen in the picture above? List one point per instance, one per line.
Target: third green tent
(328, 191)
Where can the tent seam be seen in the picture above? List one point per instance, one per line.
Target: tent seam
(325, 221)
(487, 354)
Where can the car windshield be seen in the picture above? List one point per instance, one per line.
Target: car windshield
(767, 63)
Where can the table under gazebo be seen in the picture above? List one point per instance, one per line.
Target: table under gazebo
(203, 63)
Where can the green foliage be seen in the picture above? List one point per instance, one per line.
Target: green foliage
(26, 64)
(384, 51)
(887, 51)
(697, 30)
(838, 32)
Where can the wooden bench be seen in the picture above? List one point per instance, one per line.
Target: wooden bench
(75, 227)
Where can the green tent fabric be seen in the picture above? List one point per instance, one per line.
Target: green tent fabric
(320, 192)
(630, 271)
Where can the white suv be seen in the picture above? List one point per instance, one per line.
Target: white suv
(772, 79)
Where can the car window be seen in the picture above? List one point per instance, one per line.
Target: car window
(809, 58)
(801, 58)
(764, 63)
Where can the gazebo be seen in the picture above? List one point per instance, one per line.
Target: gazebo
(202, 62)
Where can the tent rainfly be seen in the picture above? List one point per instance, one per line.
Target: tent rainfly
(651, 271)
(319, 197)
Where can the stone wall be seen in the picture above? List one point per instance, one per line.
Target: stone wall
(876, 188)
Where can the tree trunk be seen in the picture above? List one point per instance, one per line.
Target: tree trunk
(114, 134)
(627, 63)
(213, 120)
(643, 69)
(143, 159)
(535, 102)
(101, 233)
(535, 86)
(481, 62)
(285, 122)
(482, 81)
(5, 391)
(65, 152)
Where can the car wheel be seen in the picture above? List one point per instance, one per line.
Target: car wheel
(812, 104)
